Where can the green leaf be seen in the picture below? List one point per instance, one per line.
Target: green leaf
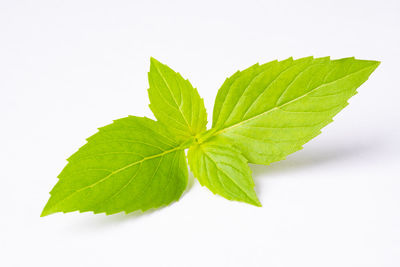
(131, 164)
(269, 111)
(175, 102)
(221, 168)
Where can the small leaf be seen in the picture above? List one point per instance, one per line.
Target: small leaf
(269, 111)
(131, 164)
(221, 168)
(175, 102)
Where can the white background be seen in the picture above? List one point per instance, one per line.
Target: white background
(68, 67)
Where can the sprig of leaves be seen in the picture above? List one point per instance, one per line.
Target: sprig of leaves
(261, 115)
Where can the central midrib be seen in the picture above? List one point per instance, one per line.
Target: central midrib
(119, 170)
(281, 106)
(173, 97)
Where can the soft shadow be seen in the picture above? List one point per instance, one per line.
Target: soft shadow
(310, 157)
(99, 221)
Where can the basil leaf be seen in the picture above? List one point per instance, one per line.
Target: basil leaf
(131, 164)
(270, 111)
(175, 102)
(223, 170)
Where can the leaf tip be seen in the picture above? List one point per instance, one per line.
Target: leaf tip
(256, 202)
(45, 212)
(49, 208)
(376, 63)
(372, 65)
(253, 200)
(154, 61)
